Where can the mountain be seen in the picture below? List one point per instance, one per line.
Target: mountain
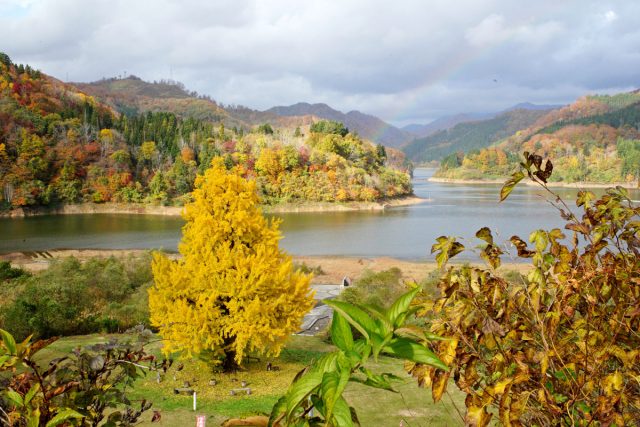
(472, 135)
(448, 122)
(444, 123)
(530, 106)
(132, 95)
(595, 139)
(367, 126)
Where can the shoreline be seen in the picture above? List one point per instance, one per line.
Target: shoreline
(627, 185)
(141, 209)
(334, 267)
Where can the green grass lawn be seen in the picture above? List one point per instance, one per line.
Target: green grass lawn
(375, 407)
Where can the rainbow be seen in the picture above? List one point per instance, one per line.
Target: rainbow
(452, 65)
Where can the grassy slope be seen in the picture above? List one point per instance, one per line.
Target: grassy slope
(375, 407)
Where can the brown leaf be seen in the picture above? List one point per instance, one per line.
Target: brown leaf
(61, 389)
(490, 326)
(521, 246)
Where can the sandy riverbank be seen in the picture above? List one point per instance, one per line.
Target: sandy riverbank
(142, 209)
(334, 268)
(630, 185)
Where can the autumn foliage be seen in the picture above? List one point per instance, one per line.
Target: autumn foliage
(595, 139)
(233, 291)
(60, 146)
(559, 346)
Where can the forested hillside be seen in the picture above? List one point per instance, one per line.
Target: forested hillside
(468, 136)
(59, 145)
(595, 139)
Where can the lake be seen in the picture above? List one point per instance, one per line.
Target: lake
(401, 232)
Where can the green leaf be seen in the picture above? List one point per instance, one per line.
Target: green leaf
(15, 397)
(434, 337)
(540, 238)
(380, 318)
(9, 342)
(300, 389)
(329, 391)
(342, 414)
(326, 363)
(376, 380)
(357, 317)
(378, 343)
(32, 392)
(363, 348)
(508, 186)
(62, 416)
(446, 248)
(583, 407)
(341, 332)
(34, 418)
(333, 384)
(585, 198)
(3, 359)
(400, 306)
(411, 350)
(277, 409)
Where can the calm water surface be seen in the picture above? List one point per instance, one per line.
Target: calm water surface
(402, 232)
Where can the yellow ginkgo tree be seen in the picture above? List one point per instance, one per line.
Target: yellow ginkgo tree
(233, 291)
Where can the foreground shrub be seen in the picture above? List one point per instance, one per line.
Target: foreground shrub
(560, 347)
(379, 289)
(315, 398)
(7, 272)
(84, 388)
(72, 297)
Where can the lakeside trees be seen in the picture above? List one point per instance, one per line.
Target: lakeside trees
(58, 145)
(233, 291)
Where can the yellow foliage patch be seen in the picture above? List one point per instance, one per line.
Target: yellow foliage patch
(234, 290)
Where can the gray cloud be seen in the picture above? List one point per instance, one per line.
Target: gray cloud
(404, 61)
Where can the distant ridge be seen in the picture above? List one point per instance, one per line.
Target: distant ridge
(133, 95)
(444, 123)
(447, 122)
(366, 125)
(596, 139)
(530, 106)
(470, 135)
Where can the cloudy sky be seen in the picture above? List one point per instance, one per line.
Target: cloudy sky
(405, 61)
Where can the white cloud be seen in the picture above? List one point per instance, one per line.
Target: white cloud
(610, 16)
(405, 60)
(490, 30)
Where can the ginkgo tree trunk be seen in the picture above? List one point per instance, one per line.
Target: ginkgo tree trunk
(233, 291)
